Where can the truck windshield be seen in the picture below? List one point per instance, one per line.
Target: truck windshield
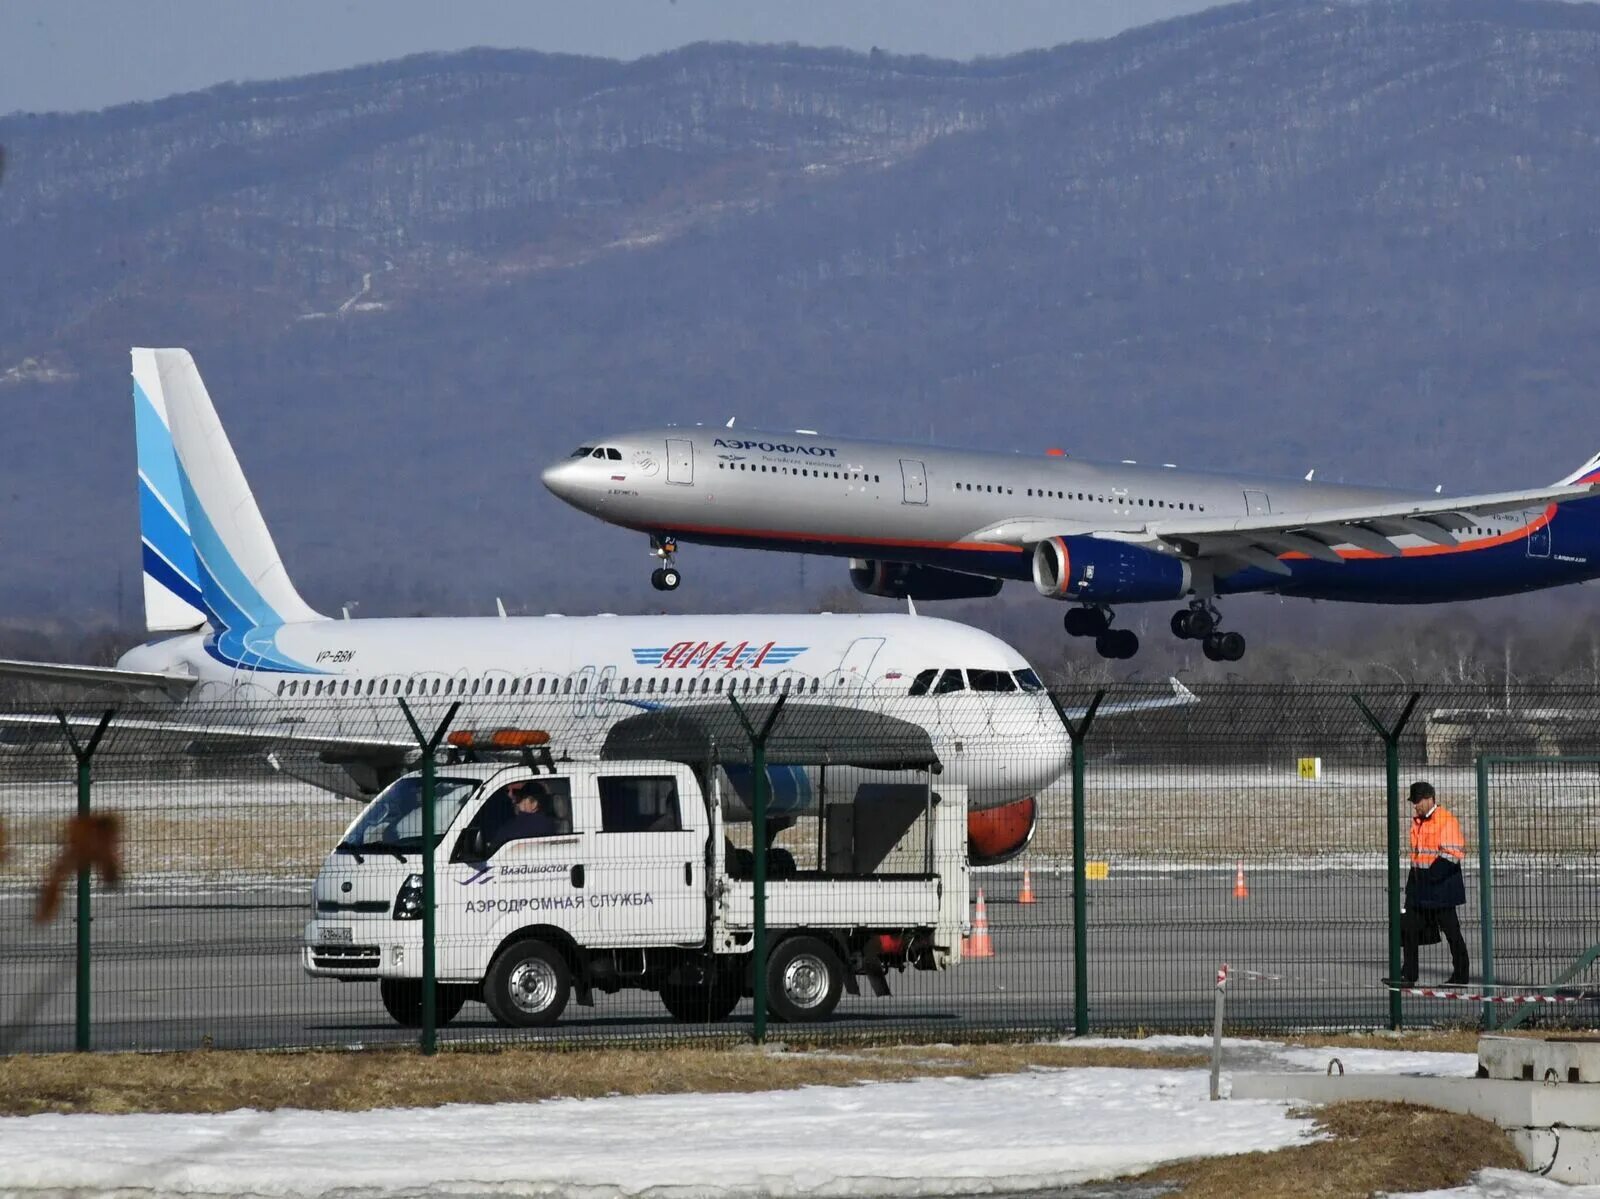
(394, 819)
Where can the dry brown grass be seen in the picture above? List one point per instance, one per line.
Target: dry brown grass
(253, 840)
(1371, 1148)
(214, 1081)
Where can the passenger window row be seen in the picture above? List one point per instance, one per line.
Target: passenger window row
(802, 472)
(788, 684)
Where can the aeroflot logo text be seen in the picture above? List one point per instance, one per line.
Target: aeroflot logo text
(776, 447)
(713, 655)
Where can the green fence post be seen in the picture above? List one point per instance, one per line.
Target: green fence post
(1391, 761)
(1485, 890)
(84, 755)
(1080, 870)
(428, 745)
(758, 873)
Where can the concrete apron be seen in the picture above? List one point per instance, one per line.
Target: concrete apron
(1544, 1093)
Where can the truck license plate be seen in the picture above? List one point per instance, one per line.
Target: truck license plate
(335, 934)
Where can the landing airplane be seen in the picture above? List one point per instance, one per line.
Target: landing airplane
(955, 524)
(248, 664)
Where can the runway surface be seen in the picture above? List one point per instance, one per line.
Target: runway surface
(184, 965)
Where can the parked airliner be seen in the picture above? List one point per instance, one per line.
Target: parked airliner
(932, 524)
(250, 664)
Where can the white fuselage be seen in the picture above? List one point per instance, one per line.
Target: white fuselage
(575, 677)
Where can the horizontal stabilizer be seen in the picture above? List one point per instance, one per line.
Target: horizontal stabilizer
(93, 676)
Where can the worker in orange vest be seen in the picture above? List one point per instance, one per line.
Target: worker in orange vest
(1434, 888)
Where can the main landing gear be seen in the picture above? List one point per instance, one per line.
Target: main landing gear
(664, 577)
(1092, 620)
(1198, 622)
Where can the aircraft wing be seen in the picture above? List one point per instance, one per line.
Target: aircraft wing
(1181, 697)
(1258, 540)
(94, 676)
(197, 736)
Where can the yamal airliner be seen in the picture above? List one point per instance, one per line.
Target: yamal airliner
(930, 524)
(245, 664)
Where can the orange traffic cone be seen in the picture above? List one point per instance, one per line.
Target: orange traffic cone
(978, 944)
(1026, 894)
(1240, 891)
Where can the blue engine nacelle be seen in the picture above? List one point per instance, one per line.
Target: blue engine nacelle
(1107, 572)
(899, 580)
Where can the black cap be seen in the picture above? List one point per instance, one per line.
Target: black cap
(1421, 790)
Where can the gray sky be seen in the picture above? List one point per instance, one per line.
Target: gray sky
(76, 54)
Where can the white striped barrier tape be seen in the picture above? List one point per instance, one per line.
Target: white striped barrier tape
(1481, 997)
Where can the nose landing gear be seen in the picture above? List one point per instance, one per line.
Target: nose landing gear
(1198, 622)
(665, 577)
(1092, 620)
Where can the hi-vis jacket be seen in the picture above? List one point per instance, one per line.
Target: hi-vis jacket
(1437, 848)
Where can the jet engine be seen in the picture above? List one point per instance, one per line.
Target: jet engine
(1107, 572)
(997, 835)
(902, 580)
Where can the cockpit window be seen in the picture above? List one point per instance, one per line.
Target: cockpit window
(613, 455)
(924, 680)
(599, 454)
(583, 451)
(991, 680)
(949, 681)
(1029, 681)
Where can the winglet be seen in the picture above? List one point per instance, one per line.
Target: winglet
(1589, 472)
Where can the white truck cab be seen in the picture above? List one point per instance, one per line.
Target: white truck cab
(555, 880)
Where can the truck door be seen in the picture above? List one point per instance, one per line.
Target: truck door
(649, 861)
(510, 867)
(680, 461)
(914, 479)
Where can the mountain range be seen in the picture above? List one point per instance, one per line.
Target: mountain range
(1285, 235)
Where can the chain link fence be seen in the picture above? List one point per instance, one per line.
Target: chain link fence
(921, 875)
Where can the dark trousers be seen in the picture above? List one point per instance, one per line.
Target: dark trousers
(1425, 926)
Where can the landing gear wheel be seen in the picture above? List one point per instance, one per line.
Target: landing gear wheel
(1180, 625)
(1224, 647)
(1086, 622)
(665, 578)
(1198, 622)
(402, 999)
(528, 985)
(804, 980)
(1117, 643)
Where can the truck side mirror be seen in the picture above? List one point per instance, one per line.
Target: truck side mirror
(473, 846)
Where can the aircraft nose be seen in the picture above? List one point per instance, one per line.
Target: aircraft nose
(560, 480)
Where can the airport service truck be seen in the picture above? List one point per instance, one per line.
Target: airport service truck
(625, 878)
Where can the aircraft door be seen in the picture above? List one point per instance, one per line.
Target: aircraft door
(1257, 503)
(1539, 540)
(680, 461)
(855, 668)
(914, 478)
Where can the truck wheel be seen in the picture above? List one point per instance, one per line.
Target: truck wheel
(402, 999)
(704, 1003)
(804, 980)
(528, 985)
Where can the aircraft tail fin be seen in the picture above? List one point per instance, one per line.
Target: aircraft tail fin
(1589, 472)
(172, 599)
(243, 585)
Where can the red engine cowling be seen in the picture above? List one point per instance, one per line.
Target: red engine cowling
(997, 835)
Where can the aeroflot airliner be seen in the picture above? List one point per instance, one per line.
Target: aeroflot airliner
(955, 524)
(275, 674)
